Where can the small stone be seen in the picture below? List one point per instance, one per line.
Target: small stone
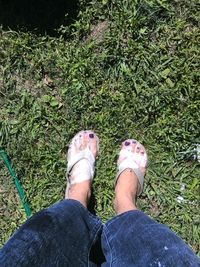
(180, 199)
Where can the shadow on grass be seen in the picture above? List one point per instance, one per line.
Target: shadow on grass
(39, 16)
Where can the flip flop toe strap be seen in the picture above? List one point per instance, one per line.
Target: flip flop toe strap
(86, 168)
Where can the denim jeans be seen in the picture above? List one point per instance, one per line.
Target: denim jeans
(67, 234)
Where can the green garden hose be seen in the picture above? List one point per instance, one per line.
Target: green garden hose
(18, 185)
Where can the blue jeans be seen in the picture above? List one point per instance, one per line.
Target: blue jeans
(67, 234)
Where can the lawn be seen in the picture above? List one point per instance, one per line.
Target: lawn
(124, 69)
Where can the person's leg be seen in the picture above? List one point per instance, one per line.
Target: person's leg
(134, 239)
(63, 234)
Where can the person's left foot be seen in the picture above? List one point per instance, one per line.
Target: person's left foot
(133, 161)
(81, 159)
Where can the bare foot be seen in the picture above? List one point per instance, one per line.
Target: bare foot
(128, 184)
(81, 159)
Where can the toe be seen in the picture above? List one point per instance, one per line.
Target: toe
(142, 150)
(127, 145)
(137, 148)
(84, 140)
(76, 143)
(93, 142)
(143, 157)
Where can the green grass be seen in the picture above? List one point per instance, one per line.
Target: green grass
(124, 69)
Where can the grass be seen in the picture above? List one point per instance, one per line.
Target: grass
(124, 69)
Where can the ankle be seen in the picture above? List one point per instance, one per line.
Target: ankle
(127, 183)
(80, 192)
(123, 203)
(126, 192)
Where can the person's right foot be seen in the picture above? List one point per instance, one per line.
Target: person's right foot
(81, 159)
(128, 186)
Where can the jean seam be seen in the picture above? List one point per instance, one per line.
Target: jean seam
(109, 245)
(96, 229)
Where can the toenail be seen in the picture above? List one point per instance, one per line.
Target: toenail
(127, 143)
(91, 135)
(134, 142)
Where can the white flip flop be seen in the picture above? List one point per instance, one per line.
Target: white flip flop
(78, 151)
(134, 160)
